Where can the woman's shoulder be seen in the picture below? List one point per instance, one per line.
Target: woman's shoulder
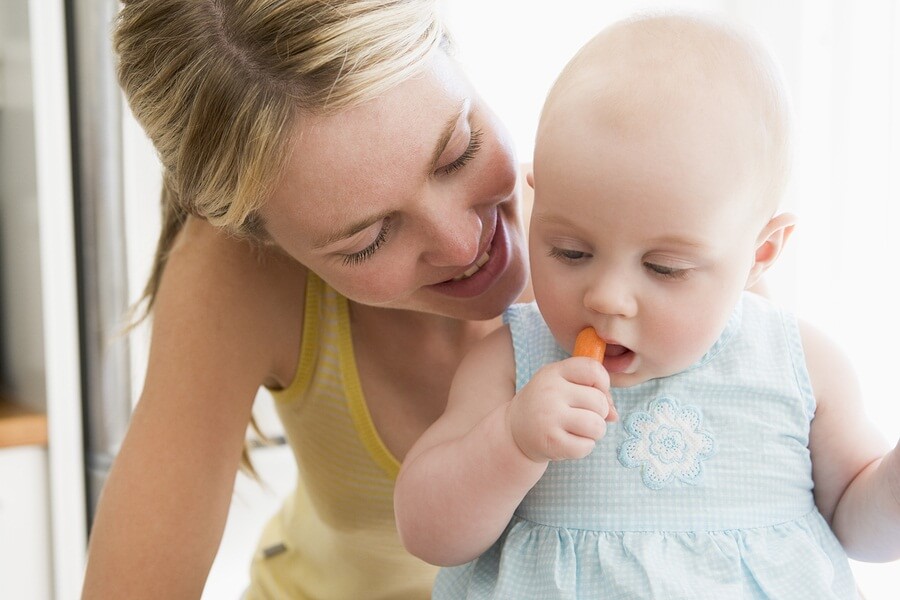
(210, 247)
(236, 294)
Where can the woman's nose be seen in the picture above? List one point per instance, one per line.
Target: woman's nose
(454, 239)
(611, 294)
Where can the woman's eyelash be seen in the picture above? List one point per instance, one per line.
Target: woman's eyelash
(467, 155)
(367, 252)
(475, 140)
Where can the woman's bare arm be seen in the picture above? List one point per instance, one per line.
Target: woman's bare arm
(162, 512)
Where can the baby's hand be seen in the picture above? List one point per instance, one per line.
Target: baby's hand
(562, 411)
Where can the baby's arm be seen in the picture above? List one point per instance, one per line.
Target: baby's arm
(857, 482)
(464, 478)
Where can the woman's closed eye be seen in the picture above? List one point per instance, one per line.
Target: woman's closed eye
(475, 141)
(467, 155)
(356, 258)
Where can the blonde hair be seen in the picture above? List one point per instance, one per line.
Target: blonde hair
(217, 85)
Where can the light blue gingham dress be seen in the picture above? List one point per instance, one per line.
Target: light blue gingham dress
(703, 489)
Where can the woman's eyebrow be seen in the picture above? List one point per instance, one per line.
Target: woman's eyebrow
(449, 128)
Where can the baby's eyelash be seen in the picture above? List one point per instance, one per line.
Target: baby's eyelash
(566, 255)
(468, 154)
(667, 272)
(367, 252)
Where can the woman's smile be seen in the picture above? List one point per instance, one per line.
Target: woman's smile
(486, 270)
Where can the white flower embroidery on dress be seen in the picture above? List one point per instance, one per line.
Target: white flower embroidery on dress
(667, 443)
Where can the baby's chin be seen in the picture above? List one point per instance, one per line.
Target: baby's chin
(627, 380)
(640, 374)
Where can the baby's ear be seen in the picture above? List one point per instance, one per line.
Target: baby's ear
(771, 241)
(529, 178)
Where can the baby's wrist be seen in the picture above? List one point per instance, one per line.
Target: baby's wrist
(514, 440)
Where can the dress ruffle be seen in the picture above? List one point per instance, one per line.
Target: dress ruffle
(531, 560)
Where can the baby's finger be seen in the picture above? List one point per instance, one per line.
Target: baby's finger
(613, 414)
(585, 423)
(570, 446)
(597, 400)
(590, 373)
(589, 398)
(584, 371)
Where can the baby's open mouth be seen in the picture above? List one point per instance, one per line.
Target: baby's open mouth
(616, 350)
(618, 359)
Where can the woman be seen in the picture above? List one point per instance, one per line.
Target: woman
(341, 225)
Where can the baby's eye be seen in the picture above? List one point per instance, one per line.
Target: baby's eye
(567, 255)
(666, 272)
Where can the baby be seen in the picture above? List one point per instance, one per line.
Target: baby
(741, 463)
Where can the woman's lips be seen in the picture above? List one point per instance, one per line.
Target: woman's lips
(482, 274)
(482, 260)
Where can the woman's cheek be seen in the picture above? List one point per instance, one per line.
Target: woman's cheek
(375, 291)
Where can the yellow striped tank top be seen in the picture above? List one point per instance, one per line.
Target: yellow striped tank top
(335, 537)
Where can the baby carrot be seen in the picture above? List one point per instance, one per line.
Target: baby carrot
(589, 344)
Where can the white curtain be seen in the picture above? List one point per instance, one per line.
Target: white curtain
(841, 62)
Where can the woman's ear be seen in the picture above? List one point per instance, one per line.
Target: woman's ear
(769, 244)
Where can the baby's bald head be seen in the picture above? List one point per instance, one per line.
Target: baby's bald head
(694, 77)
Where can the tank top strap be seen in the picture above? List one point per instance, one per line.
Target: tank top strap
(327, 364)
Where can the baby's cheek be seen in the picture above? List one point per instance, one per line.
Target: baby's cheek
(683, 341)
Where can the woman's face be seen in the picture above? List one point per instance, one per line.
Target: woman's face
(408, 201)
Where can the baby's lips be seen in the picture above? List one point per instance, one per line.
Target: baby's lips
(591, 345)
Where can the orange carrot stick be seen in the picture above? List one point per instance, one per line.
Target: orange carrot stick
(589, 344)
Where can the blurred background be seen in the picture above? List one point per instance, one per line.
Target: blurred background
(79, 187)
